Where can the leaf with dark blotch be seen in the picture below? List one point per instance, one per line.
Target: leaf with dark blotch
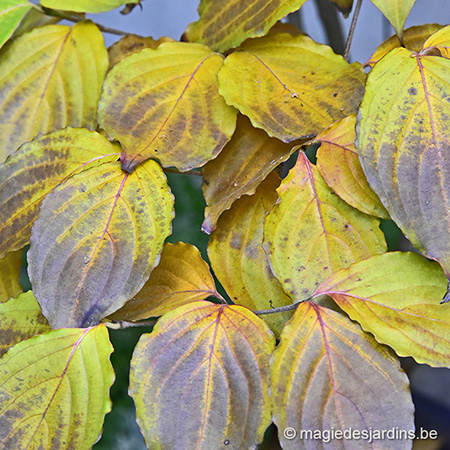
(396, 297)
(9, 276)
(345, 6)
(54, 390)
(20, 318)
(181, 277)
(396, 11)
(96, 240)
(165, 104)
(11, 13)
(240, 167)
(36, 169)
(50, 78)
(338, 163)
(88, 6)
(312, 233)
(201, 379)
(238, 259)
(290, 86)
(238, 20)
(328, 374)
(403, 142)
(439, 41)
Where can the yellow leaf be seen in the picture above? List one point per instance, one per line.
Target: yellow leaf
(181, 277)
(96, 240)
(396, 297)
(440, 40)
(291, 86)
(396, 11)
(88, 6)
(345, 6)
(36, 169)
(338, 163)
(165, 104)
(9, 276)
(311, 233)
(238, 259)
(11, 13)
(50, 78)
(34, 18)
(54, 390)
(240, 167)
(201, 379)
(328, 374)
(403, 142)
(20, 318)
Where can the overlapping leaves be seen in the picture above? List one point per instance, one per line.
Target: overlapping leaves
(11, 13)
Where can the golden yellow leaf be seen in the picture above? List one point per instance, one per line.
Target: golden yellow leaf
(96, 240)
(328, 374)
(50, 78)
(201, 379)
(312, 233)
(338, 163)
(440, 41)
(240, 167)
(291, 86)
(181, 277)
(165, 104)
(396, 11)
(9, 276)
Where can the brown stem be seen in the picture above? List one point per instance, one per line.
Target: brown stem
(281, 308)
(351, 32)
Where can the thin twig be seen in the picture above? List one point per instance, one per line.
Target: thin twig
(121, 324)
(281, 308)
(351, 32)
(188, 172)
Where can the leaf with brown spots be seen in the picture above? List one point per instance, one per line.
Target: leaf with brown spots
(238, 259)
(54, 390)
(165, 104)
(11, 13)
(36, 169)
(181, 277)
(20, 318)
(290, 86)
(338, 163)
(88, 6)
(201, 379)
(403, 139)
(328, 374)
(396, 11)
(396, 297)
(96, 240)
(240, 167)
(312, 233)
(9, 276)
(50, 78)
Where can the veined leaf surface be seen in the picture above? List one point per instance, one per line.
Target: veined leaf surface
(240, 167)
(403, 142)
(327, 373)
(11, 13)
(396, 297)
(165, 104)
(9, 276)
(88, 6)
(338, 163)
(201, 378)
(238, 259)
(290, 86)
(238, 20)
(96, 240)
(181, 277)
(20, 318)
(440, 40)
(36, 169)
(50, 78)
(396, 11)
(312, 233)
(54, 390)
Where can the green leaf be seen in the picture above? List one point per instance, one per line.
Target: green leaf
(32, 172)
(165, 104)
(403, 142)
(50, 78)
(20, 318)
(54, 390)
(396, 11)
(88, 6)
(311, 233)
(181, 277)
(238, 259)
(328, 374)
(291, 86)
(223, 25)
(11, 13)
(201, 378)
(396, 297)
(96, 240)
(9, 276)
